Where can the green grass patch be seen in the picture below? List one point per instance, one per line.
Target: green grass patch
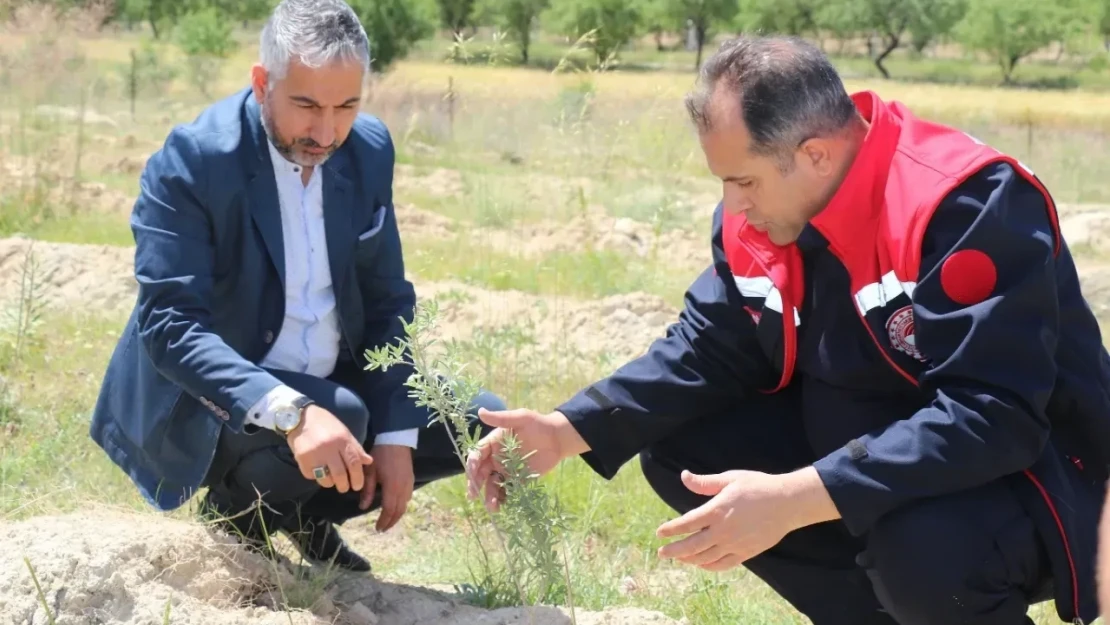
(48, 463)
(585, 274)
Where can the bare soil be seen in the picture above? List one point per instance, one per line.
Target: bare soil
(100, 279)
(134, 569)
(56, 187)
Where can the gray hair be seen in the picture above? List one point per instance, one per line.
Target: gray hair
(315, 32)
(787, 92)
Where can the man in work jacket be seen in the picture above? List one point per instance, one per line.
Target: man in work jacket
(887, 397)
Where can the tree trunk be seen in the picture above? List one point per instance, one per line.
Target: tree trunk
(891, 46)
(700, 31)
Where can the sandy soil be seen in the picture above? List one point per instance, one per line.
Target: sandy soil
(57, 188)
(620, 325)
(125, 569)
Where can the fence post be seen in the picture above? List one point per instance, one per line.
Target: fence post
(451, 107)
(133, 83)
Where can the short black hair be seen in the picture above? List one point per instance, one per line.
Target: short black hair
(787, 89)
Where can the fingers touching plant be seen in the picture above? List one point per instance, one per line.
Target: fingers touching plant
(529, 524)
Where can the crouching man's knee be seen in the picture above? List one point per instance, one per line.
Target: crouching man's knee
(488, 400)
(974, 557)
(352, 412)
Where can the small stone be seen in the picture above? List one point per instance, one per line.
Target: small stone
(359, 614)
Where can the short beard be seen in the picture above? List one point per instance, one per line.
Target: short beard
(285, 148)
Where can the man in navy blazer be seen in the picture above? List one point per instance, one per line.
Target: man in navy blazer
(268, 260)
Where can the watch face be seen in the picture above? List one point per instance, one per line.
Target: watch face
(286, 418)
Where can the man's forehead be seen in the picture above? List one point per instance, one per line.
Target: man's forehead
(336, 82)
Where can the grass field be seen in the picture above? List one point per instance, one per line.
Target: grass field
(508, 153)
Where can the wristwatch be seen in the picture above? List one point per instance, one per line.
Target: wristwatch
(288, 415)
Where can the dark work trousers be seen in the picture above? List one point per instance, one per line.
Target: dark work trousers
(259, 465)
(972, 558)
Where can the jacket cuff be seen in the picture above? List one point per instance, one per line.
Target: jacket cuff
(407, 438)
(262, 412)
(608, 453)
(858, 499)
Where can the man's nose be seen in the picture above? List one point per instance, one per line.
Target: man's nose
(735, 202)
(323, 131)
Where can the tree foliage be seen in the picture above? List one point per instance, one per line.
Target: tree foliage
(393, 27)
(1007, 32)
(613, 23)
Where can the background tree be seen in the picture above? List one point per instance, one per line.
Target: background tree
(1007, 31)
(456, 15)
(393, 27)
(788, 17)
(614, 22)
(704, 16)
(516, 18)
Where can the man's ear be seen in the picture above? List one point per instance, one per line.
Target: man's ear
(817, 154)
(259, 77)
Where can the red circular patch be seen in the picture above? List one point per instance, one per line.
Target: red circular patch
(968, 277)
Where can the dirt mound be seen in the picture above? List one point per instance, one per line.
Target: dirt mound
(600, 232)
(437, 182)
(54, 185)
(95, 278)
(619, 326)
(100, 278)
(416, 224)
(1086, 227)
(129, 569)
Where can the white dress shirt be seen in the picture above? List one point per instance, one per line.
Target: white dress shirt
(309, 340)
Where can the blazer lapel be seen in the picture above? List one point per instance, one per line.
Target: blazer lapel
(266, 213)
(262, 194)
(338, 218)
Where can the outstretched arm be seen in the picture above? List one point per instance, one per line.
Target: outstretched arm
(706, 361)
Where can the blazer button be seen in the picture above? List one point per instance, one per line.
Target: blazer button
(269, 337)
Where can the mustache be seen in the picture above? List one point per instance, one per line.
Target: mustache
(310, 143)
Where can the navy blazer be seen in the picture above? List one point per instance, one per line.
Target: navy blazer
(210, 266)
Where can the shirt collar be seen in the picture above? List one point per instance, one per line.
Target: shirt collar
(284, 168)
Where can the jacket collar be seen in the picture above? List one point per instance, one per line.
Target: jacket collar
(852, 212)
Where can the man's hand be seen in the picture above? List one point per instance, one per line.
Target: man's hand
(749, 513)
(321, 440)
(550, 436)
(392, 469)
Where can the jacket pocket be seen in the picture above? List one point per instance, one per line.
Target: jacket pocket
(368, 239)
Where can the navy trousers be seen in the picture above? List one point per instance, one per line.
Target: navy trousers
(972, 558)
(258, 463)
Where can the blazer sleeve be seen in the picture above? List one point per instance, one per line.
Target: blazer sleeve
(707, 361)
(174, 253)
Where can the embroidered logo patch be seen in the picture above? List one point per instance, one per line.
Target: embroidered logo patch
(900, 330)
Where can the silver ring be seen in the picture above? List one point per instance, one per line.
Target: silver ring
(320, 472)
